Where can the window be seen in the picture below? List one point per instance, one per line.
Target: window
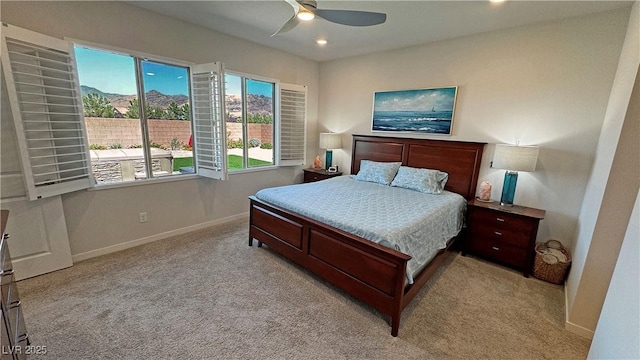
(48, 104)
(250, 121)
(128, 136)
(141, 118)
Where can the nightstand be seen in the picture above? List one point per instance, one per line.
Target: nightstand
(504, 234)
(311, 175)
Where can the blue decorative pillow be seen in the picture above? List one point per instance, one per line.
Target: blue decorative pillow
(377, 172)
(423, 180)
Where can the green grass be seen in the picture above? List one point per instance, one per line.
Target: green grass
(234, 162)
(182, 162)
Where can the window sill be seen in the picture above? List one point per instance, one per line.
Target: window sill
(253, 169)
(165, 179)
(159, 180)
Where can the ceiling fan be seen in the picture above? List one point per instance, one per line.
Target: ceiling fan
(305, 10)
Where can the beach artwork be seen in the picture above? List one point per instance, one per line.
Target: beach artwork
(422, 110)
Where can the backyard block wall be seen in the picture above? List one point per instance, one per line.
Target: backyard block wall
(262, 132)
(107, 132)
(127, 132)
(163, 131)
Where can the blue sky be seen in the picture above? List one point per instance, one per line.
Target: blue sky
(114, 73)
(105, 71)
(255, 87)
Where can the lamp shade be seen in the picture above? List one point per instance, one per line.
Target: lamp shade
(330, 141)
(515, 158)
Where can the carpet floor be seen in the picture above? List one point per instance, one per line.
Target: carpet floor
(207, 295)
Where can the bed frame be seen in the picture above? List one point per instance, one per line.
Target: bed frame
(372, 273)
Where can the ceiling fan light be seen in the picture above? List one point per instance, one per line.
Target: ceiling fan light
(305, 15)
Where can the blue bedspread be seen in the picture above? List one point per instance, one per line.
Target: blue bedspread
(411, 222)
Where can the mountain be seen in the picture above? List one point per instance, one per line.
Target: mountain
(256, 104)
(158, 99)
(121, 102)
(86, 90)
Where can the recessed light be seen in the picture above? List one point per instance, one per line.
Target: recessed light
(321, 41)
(305, 15)
(496, 1)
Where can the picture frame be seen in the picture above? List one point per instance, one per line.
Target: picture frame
(426, 111)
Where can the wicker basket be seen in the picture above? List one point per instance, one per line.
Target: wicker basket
(552, 262)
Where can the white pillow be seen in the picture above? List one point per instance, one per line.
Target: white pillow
(424, 180)
(377, 172)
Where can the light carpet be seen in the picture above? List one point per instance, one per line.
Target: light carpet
(207, 295)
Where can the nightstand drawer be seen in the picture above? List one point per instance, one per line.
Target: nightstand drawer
(311, 177)
(498, 251)
(504, 234)
(502, 220)
(516, 237)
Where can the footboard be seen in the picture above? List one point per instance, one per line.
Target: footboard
(372, 273)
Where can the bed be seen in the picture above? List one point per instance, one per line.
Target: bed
(356, 260)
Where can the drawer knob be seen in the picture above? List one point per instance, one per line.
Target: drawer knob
(496, 248)
(500, 219)
(497, 233)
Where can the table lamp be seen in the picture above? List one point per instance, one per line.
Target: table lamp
(330, 141)
(513, 158)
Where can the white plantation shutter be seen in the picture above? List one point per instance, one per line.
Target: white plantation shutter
(293, 119)
(46, 104)
(209, 142)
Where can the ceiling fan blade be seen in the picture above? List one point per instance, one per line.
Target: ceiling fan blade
(351, 17)
(288, 25)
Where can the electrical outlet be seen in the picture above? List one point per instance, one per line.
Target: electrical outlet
(143, 217)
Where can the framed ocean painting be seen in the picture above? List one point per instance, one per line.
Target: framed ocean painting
(427, 111)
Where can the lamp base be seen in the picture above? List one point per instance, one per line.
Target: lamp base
(509, 188)
(328, 159)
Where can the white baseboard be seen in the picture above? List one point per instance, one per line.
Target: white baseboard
(571, 327)
(152, 238)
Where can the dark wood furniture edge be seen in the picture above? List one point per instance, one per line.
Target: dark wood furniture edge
(460, 159)
(515, 209)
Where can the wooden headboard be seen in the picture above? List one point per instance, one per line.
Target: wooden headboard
(460, 159)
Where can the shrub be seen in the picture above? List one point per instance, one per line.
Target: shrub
(151, 144)
(156, 145)
(235, 144)
(176, 144)
(266, 146)
(253, 142)
(96, 105)
(115, 146)
(259, 119)
(97, 147)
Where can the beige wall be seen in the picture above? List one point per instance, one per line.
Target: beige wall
(109, 218)
(608, 198)
(617, 334)
(544, 84)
